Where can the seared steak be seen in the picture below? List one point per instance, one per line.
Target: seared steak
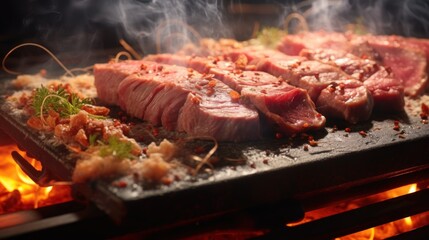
(107, 78)
(387, 91)
(317, 78)
(407, 59)
(181, 99)
(290, 108)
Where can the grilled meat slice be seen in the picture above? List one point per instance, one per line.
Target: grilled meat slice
(184, 100)
(387, 91)
(290, 108)
(407, 58)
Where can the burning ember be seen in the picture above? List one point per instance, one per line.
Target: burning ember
(379, 232)
(18, 191)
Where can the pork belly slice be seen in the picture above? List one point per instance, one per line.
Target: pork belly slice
(290, 108)
(349, 100)
(387, 91)
(107, 77)
(181, 99)
(316, 77)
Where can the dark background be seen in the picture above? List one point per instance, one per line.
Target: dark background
(85, 31)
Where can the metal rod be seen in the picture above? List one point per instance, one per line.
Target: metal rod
(356, 220)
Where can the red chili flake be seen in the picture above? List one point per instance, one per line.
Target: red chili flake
(159, 67)
(210, 92)
(235, 96)
(116, 122)
(265, 161)
(264, 91)
(155, 132)
(318, 115)
(306, 125)
(143, 67)
(144, 150)
(120, 184)
(196, 100)
(312, 142)
(348, 130)
(305, 147)
(212, 83)
(363, 133)
(253, 165)
(167, 180)
(279, 136)
(425, 111)
(43, 72)
(396, 126)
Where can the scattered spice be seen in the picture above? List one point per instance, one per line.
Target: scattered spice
(313, 142)
(265, 161)
(363, 133)
(396, 126)
(305, 147)
(235, 96)
(348, 130)
(424, 111)
(253, 165)
(120, 184)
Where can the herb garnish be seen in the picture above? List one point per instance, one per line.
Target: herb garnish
(116, 147)
(60, 101)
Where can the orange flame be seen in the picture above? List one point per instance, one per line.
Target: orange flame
(18, 191)
(408, 220)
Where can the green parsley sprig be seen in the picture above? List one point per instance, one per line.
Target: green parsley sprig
(62, 102)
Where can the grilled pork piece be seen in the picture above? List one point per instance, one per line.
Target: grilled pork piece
(290, 108)
(181, 99)
(405, 58)
(388, 92)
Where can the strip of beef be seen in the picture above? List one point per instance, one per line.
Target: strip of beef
(290, 108)
(293, 44)
(407, 62)
(388, 92)
(356, 101)
(348, 99)
(181, 99)
(107, 78)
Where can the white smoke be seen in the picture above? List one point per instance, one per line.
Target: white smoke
(409, 17)
(166, 23)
